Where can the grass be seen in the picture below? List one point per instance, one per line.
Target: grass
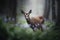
(9, 32)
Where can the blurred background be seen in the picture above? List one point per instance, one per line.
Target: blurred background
(11, 19)
(10, 9)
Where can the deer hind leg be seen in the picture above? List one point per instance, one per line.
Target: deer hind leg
(40, 27)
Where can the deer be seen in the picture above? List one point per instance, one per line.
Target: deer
(34, 22)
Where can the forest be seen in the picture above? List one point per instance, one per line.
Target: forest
(12, 28)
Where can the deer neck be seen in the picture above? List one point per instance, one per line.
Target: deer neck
(28, 20)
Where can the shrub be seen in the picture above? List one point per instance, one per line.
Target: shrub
(9, 32)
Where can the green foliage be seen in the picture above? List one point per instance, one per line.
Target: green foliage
(22, 21)
(49, 23)
(12, 32)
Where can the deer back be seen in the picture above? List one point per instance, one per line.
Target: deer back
(36, 20)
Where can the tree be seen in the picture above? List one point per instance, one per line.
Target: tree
(58, 13)
(47, 9)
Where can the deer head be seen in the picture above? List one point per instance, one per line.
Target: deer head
(26, 14)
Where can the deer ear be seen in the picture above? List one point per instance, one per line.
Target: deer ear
(22, 11)
(30, 11)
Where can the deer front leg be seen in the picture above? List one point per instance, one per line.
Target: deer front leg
(33, 27)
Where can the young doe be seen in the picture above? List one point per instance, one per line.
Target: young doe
(34, 22)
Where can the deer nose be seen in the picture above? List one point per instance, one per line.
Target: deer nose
(26, 17)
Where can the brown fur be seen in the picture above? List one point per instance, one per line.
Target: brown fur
(36, 20)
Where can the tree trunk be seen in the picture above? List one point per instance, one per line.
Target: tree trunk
(58, 13)
(47, 9)
(53, 10)
(12, 6)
